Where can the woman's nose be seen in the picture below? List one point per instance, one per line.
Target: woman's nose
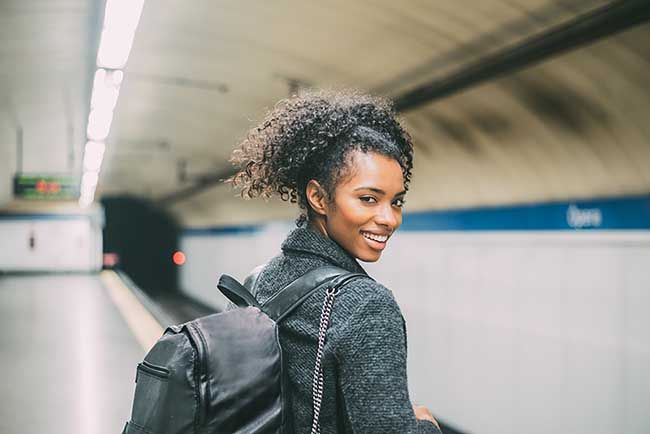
(387, 216)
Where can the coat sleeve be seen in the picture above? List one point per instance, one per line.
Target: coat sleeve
(371, 355)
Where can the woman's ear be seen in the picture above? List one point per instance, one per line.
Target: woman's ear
(316, 197)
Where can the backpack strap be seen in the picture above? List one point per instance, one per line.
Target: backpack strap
(251, 280)
(236, 292)
(292, 295)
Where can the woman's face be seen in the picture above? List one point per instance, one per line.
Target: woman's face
(367, 206)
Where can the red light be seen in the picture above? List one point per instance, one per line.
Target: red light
(53, 187)
(111, 260)
(178, 258)
(41, 186)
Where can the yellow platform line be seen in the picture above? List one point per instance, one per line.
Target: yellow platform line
(143, 325)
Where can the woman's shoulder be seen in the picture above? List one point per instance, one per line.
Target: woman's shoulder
(366, 288)
(367, 319)
(352, 297)
(364, 299)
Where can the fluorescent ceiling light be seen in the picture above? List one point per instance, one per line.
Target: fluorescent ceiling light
(122, 14)
(89, 181)
(106, 89)
(99, 124)
(93, 156)
(114, 49)
(88, 185)
(85, 201)
(121, 19)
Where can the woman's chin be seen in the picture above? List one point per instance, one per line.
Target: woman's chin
(369, 257)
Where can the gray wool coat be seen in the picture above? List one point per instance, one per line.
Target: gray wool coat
(364, 363)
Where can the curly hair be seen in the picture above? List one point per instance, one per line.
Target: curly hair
(310, 136)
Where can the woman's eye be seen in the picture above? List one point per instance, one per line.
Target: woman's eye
(399, 203)
(368, 199)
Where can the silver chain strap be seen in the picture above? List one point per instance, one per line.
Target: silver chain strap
(317, 379)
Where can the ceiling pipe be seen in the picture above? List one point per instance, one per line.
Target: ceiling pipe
(587, 28)
(201, 182)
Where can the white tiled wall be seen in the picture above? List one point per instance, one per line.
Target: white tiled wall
(510, 332)
(209, 256)
(58, 245)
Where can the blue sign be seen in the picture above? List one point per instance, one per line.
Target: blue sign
(626, 213)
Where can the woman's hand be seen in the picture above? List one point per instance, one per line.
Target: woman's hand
(423, 413)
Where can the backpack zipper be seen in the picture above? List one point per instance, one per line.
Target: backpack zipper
(157, 371)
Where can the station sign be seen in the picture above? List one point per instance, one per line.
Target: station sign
(46, 187)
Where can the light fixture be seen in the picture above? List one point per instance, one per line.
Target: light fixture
(99, 124)
(89, 181)
(86, 200)
(93, 156)
(121, 19)
(106, 89)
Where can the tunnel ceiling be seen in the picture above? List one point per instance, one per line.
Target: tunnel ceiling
(45, 49)
(199, 77)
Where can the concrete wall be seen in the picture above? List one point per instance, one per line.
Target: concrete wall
(56, 243)
(509, 332)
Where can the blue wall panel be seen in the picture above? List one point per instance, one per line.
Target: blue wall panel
(626, 213)
(632, 212)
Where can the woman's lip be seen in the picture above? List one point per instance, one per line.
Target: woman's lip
(375, 245)
(381, 234)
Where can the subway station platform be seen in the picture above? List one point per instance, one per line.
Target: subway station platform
(70, 346)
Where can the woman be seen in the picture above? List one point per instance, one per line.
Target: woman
(346, 160)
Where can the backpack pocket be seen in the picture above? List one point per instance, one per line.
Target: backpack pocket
(166, 397)
(149, 368)
(151, 392)
(132, 428)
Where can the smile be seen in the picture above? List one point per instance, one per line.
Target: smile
(375, 237)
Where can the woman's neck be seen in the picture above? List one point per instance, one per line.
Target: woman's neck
(317, 224)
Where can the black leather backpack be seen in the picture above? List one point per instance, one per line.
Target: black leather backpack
(223, 373)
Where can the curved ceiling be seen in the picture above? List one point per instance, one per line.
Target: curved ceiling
(45, 63)
(198, 77)
(573, 127)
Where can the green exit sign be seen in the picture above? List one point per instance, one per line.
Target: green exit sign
(48, 187)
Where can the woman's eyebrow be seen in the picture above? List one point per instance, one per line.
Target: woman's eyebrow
(373, 189)
(379, 190)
